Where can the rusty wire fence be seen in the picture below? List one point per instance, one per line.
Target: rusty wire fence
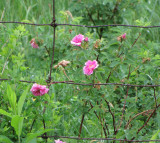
(49, 81)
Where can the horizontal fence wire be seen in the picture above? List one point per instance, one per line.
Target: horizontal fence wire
(112, 25)
(54, 25)
(12, 22)
(96, 26)
(119, 84)
(108, 139)
(89, 84)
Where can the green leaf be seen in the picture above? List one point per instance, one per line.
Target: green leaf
(34, 135)
(21, 101)
(32, 141)
(155, 136)
(114, 63)
(12, 99)
(4, 139)
(26, 21)
(5, 113)
(17, 124)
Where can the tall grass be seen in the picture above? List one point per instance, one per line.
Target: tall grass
(40, 11)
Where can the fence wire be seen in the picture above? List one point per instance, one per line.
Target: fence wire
(49, 80)
(99, 139)
(97, 26)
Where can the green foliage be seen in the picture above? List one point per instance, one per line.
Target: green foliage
(16, 119)
(21, 101)
(5, 113)
(17, 124)
(4, 139)
(154, 137)
(134, 60)
(33, 136)
(12, 98)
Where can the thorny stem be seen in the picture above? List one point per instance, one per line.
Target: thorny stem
(114, 126)
(65, 73)
(32, 125)
(129, 71)
(80, 129)
(47, 51)
(106, 127)
(148, 119)
(155, 96)
(104, 130)
(90, 16)
(44, 126)
(110, 74)
(115, 9)
(122, 112)
(99, 119)
(136, 40)
(136, 116)
(119, 48)
(99, 50)
(124, 103)
(101, 124)
(94, 111)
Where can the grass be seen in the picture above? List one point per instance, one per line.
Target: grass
(38, 62)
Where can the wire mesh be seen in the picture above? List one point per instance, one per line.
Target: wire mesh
(49, 80)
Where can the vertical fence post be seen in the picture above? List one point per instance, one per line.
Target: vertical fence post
(54, 31)
(54, 25)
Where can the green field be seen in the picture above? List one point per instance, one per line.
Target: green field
(125, 107)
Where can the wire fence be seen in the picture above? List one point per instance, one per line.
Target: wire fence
(49, 80)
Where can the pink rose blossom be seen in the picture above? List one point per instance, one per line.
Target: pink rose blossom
(39, 90)
(58, 141)
(86, 39)
(33, 43)
(124, 36)
(77, 40)
(89, 67)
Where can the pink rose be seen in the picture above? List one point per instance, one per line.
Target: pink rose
(58, 141)
(33, 43)
(124, 36)
(39, 90)
(77, 40)
(86, 39)
(89, 67)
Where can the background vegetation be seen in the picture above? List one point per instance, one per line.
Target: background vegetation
(129, 61)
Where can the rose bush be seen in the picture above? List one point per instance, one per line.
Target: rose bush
(108, 55)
